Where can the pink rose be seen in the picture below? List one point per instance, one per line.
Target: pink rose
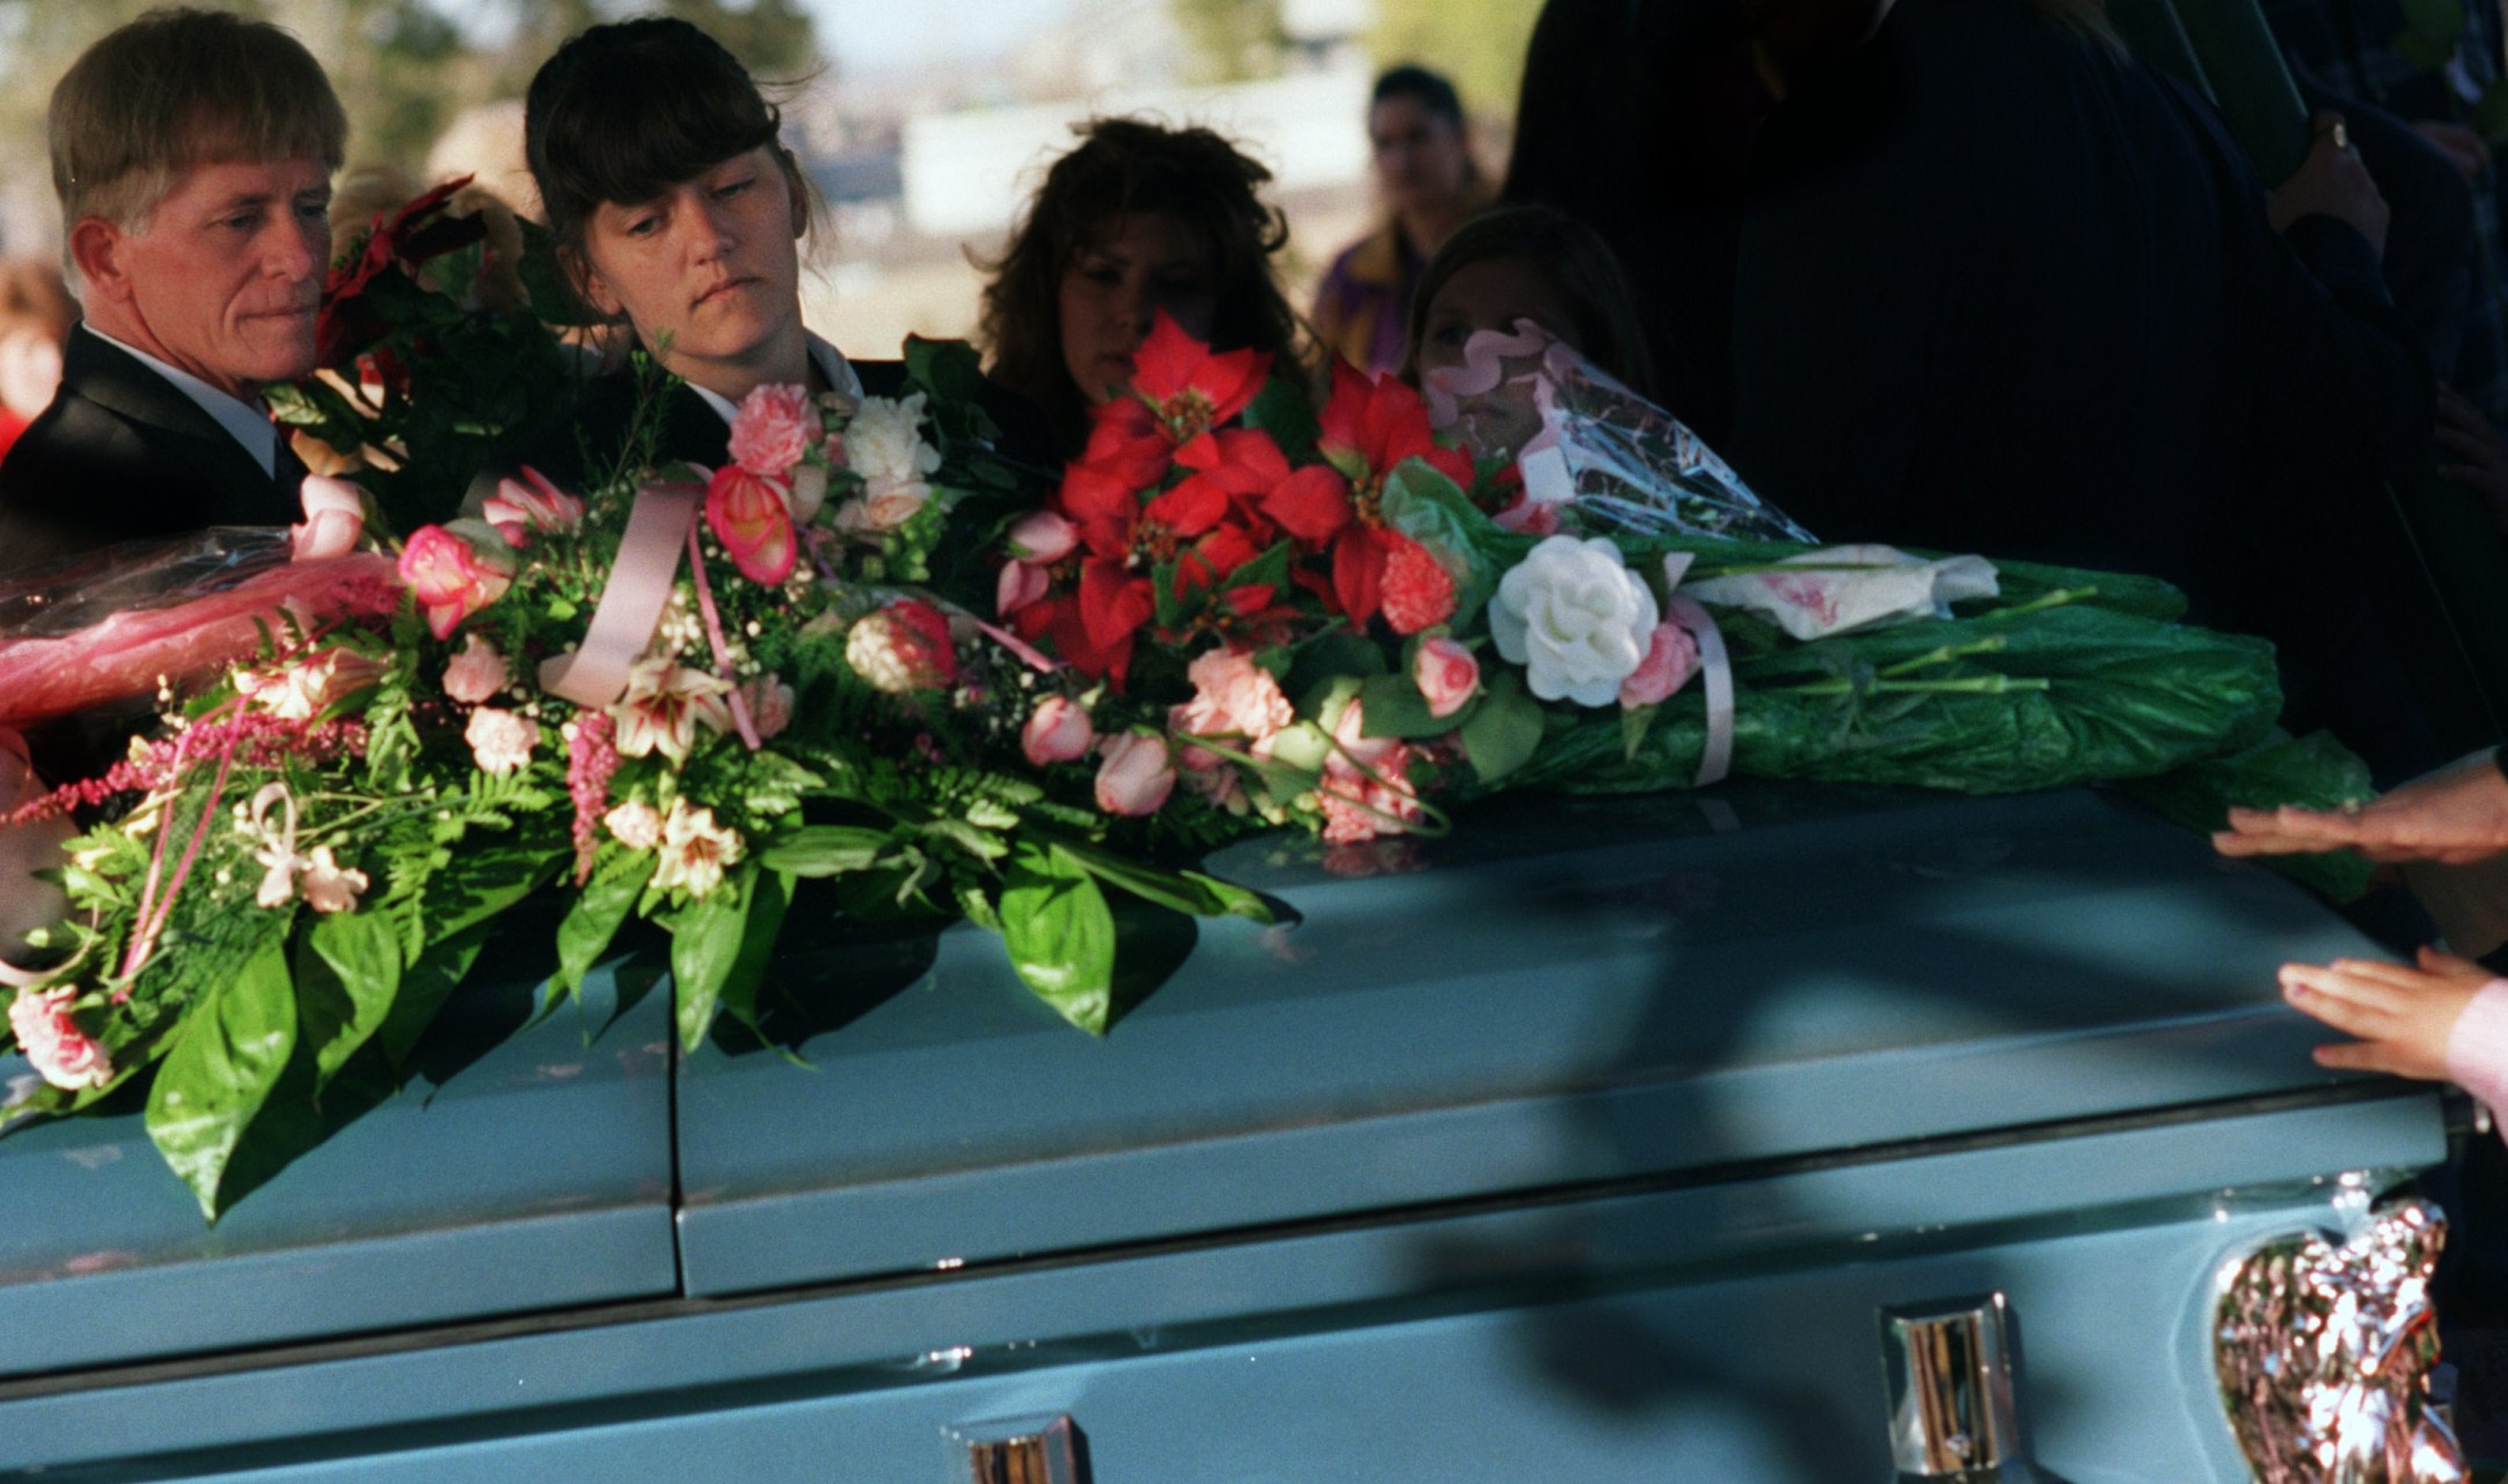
(1058, 731)
(1019, 585)
(773, 429)
(520, 507)
(62, 1054)
(1135, 779)
(771, 705)
(501, 742)
(752, 516)
(902, 649)
(1366, 789)
(1447, 674)
(1233, 698)
(335, 518)
(1043, 536)
(456, 570)
(809, 492)
(1669, 661)
(477, 673)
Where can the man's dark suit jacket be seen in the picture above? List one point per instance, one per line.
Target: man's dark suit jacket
(122, 454)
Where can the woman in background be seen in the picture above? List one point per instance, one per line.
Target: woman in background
(1136, 221)
(1430, 183)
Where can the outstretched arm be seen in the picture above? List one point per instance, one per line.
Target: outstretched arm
(2455, 816)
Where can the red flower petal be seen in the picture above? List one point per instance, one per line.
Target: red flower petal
(1312, 504)
(1359, 572)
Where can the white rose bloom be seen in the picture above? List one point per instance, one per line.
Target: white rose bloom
(1576, 618)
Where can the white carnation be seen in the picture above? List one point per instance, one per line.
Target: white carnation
(886, 447)
(1576, 618)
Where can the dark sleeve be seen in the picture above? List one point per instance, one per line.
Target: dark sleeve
(2344, 385)
(1847, 256)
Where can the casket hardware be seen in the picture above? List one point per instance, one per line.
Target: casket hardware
(1016, 1449)
(1949, 1370)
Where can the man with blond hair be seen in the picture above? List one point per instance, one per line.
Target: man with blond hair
(193, 152)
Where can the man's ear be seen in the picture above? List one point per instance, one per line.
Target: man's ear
(97, 248)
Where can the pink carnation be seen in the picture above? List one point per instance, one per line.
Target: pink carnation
(773, 430)
(501, 742)
(456, 570)
(1234, 700)
(1671, 658)
(1418, 591)
(60, 1053)
(477, 673)
(1366, 788)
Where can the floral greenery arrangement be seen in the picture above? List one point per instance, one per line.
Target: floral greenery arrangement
(858, 652)
(431, 354)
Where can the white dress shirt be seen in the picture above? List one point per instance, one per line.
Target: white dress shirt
(831, 362)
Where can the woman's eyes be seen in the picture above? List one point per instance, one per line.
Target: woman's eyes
(730, 189)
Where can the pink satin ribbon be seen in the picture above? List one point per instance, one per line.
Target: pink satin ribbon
(1715, 758)
(631, 606)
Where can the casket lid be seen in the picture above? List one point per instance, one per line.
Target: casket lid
(1566, 991)
(507, 1176)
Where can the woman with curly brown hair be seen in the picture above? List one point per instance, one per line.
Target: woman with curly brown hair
(1137, 220)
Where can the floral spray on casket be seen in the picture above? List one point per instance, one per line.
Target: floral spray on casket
(860, 654)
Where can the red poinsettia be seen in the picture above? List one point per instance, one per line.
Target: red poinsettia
(415, 234)
(1187, 388)
(1367, 429)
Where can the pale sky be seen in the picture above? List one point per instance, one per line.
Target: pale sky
(878, 35)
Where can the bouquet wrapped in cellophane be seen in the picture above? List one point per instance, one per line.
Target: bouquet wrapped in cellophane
(860, 654)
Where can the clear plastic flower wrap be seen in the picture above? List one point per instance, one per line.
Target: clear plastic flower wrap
(1595, 457)
(113, 625)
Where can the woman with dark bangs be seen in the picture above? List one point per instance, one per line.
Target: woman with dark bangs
(678, 214)
(1136, 220)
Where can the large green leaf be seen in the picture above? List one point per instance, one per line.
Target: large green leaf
(429, 982)
(706, 941)
(1504, 730)
(219, 1073)
(600, 909)
(1186, 891)
(825, 849)
(1060, 932)
(346, 979)
(1391, 705)
(771, 896)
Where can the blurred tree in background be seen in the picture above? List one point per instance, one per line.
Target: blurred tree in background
(1232, 41)
(1477, 43)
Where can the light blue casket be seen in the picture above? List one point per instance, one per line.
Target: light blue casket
(1588, 1152)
